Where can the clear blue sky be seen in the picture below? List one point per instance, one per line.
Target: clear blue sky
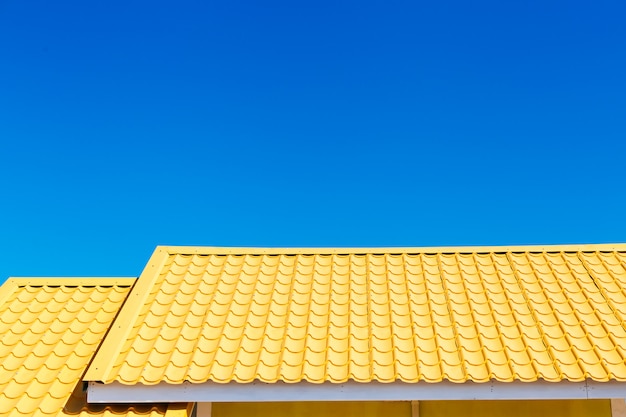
(125, 125)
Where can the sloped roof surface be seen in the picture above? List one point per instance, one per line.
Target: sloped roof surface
(77, 406)
(49, 332)
(525, 313)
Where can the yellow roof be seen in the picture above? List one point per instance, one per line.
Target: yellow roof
(411, 314)
(50, 329)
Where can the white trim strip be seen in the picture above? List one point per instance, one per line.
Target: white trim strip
(352, 391)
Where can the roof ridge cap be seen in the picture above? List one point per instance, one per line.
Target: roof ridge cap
(233, 250)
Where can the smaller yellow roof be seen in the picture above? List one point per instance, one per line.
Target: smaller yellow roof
(77, 406)
(50, 328)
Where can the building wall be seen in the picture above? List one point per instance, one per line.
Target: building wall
(313, 409)
(539, 408)
(517, 408)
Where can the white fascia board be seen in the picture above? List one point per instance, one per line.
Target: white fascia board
(351, 391)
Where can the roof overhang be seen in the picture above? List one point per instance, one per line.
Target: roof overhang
(352, 391)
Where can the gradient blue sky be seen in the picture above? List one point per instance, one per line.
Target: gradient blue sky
(125, 125)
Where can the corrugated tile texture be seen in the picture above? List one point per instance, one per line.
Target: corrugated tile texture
(77, 407)
(556, 315)
(48, 335)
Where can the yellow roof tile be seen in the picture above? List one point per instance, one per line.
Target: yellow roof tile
(411, 314)
(49, 331)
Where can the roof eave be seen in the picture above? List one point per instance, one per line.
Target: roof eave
(353, 391)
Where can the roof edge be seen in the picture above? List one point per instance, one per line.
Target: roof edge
(103, 359)
(72, 281)
(226, 250)
(117, 392)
